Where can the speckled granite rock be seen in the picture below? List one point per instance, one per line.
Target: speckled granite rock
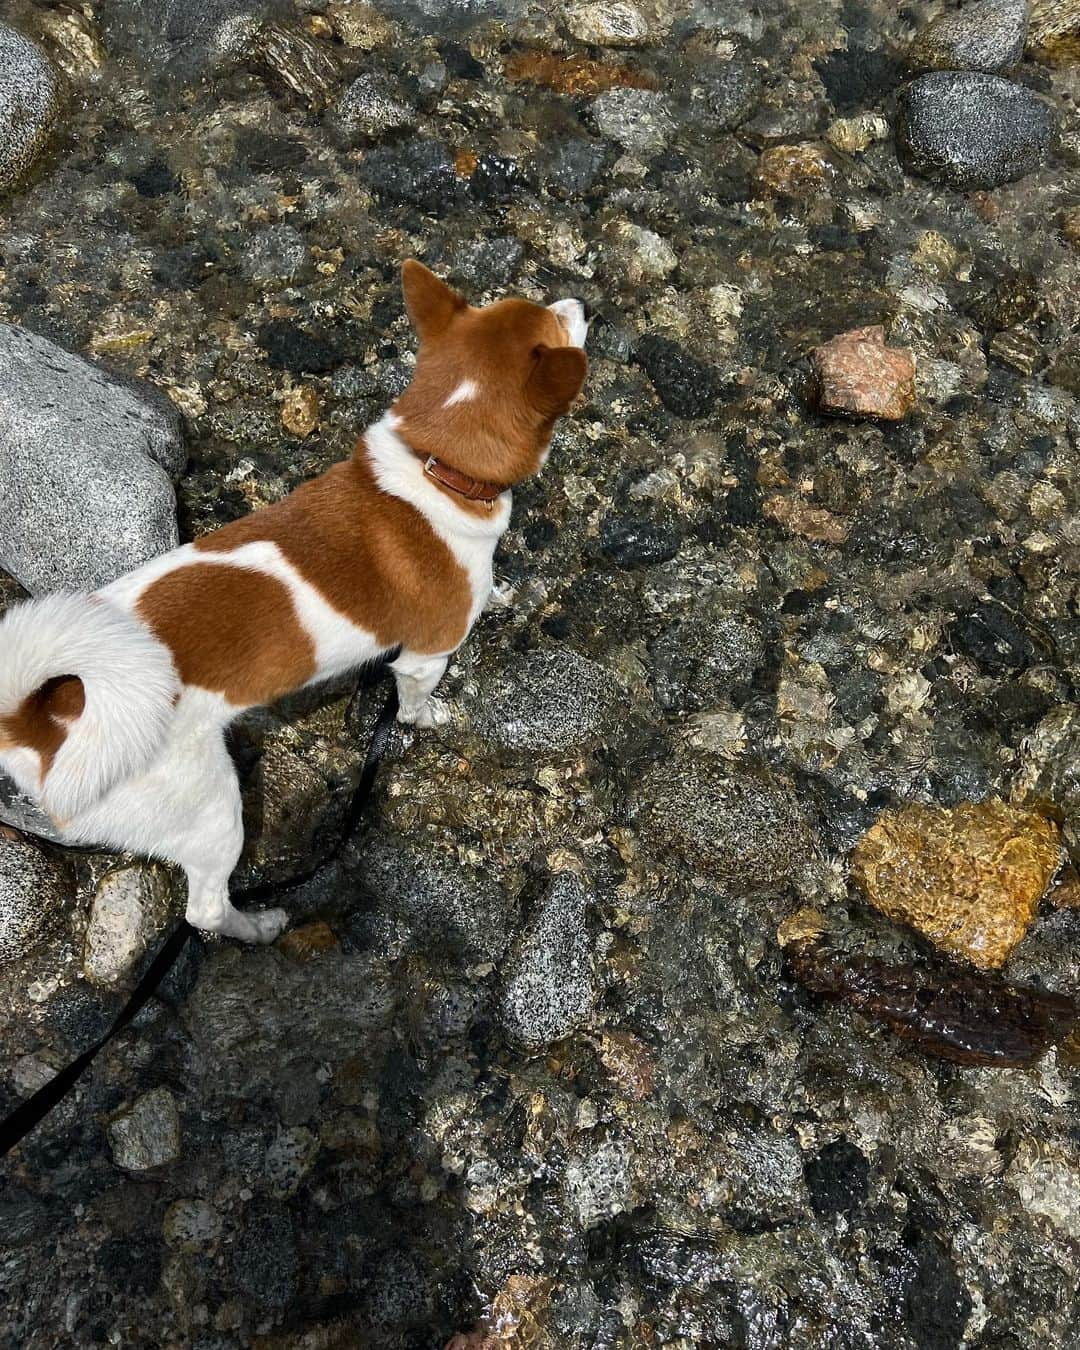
(33, 892)
(550, 699)
(986, 35)
(130, 910)
(85, 467)
(548, 988)
(146, 1134)
(971, 130)
(29, 102)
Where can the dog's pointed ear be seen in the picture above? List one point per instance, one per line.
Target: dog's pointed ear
(556, 378)
(430, 302)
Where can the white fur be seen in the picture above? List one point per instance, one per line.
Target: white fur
(571, 314)
(129, 683)
(465, 391)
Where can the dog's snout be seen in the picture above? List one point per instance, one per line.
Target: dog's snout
(588, 310)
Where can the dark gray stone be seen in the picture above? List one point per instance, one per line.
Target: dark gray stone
(550, 699)
(740, 825)
(548, 989)
(85, 467)
(33, 892)
(185, 38)
(698, 660)
(29, 102)
(988, 35)
(449, 909)
(971, 130)
(16, 809)
(367, 110)
(147, 1133)
(263, 1262)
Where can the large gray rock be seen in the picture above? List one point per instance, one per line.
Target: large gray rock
(452, 911)
(988, 35)
(185, 38)
(131, 908)
(549, 699)
(29, 100)
(741, 826)
(85, 465)
(971, 130)
(549, 989)
(33, 890)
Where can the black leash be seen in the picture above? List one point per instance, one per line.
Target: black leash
(37, 1106)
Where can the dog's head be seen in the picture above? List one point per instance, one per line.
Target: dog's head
(489, 383)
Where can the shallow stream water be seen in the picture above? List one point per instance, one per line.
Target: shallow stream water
(533, 1071)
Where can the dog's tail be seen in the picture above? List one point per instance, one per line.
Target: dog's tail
(86, 686)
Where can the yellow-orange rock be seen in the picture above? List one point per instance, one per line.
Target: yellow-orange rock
(794, 170)
(858, 376)
(967, 877)
(308, 942)
(300, 410)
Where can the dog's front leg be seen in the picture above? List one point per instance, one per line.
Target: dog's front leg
(417, 675)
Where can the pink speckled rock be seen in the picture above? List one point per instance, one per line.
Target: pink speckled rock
(858, 376)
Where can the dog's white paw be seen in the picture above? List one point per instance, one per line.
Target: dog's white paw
(502, 596)
(268, 924)
(433, 713)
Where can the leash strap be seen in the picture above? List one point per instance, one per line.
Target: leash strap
(37, 1106)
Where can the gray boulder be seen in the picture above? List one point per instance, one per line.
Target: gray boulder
(987, 36)
(132, 906)
(85, 466)
(741, 826)
(971, 130)
(551, 699)
(29, 101)
(32, 891)
(549, 989)
(185, 38)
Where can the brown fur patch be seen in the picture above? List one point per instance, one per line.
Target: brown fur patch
(41, 721)
(373, 557)
(231, 630)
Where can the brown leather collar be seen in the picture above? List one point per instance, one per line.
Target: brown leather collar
(472, 489)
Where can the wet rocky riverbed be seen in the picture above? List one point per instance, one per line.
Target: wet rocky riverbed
(584, 1038)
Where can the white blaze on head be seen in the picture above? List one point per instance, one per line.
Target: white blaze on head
(465, 391)
(571, 314)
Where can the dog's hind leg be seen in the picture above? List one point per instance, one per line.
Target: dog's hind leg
(186, 809)
(211, 847)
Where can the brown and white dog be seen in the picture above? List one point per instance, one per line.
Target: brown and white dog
(113, 705)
